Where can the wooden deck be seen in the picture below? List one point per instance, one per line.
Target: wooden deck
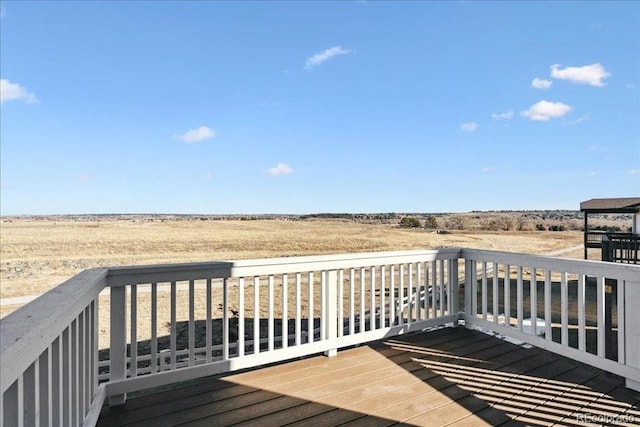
(444, 377)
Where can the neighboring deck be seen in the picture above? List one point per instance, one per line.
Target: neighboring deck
(448, 376)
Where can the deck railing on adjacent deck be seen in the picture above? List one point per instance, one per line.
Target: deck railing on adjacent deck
(624, 248)
(226, 316)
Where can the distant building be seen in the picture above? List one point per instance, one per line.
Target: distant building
(614, 246)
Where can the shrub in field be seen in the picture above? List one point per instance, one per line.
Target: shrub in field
(489, 224)
(431, 222)
(505, 224)
(409, 222)
(608, 228)
(521, 223)
(455, 223)
(498, 224)
(574, 225)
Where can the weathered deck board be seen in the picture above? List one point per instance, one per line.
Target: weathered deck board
(444, 377)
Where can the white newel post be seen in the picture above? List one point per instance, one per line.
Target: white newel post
(452, 299)
(469, 288)
(632, 329)
(118, 347)
(331, 311)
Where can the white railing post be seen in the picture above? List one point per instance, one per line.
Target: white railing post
(632, 329)
(469, 288)
(118, 347)
(331, 311)
(452, 299)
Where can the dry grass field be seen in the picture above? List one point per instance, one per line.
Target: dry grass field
(38, 254)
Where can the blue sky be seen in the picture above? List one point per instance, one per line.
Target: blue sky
(283, 107)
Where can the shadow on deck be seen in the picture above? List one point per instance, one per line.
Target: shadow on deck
(444, 377)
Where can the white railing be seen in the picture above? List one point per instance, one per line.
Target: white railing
(560, 305)
(262, 311)
(49, 355)
(170, 323)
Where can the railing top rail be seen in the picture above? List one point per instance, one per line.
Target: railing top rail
(622, 236)
(30, 330)
(134, 274)
(610, 232)
(628, 272)
(335, 262)
(119, 276)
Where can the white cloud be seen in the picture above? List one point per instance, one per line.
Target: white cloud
(502, 116)
(633, 171)
(196, 135)
(545, 110)
(594, 173)
(281, 169)
(631, 86)
(82, 178)
(487, 169)
(592, 74)
(205, 176)
(541, 83)
(581, 119)
(14, 91)
(2, 12)
(469, 127)
(321, 57)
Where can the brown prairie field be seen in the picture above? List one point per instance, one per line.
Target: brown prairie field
(37, 255)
